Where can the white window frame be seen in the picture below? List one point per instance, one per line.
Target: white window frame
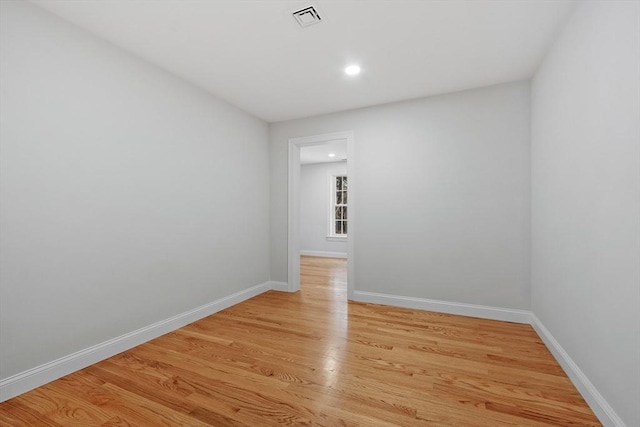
(331, 235)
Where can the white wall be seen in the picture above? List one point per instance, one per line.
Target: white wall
(586, 198)
(315, 199)
(443, 195)
(127, 195)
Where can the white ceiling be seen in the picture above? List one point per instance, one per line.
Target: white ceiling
(253, 54)
(320, 153)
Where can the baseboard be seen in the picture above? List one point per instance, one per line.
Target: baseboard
(324, 254)
(35, 377)
(40, 375)
(462, 309)
(279, 286)
(597, 403)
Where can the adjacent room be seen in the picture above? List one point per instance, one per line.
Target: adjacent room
(355, 212)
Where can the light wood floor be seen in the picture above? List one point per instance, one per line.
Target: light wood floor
(312, 359)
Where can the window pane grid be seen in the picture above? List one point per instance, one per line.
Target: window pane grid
(339, 210)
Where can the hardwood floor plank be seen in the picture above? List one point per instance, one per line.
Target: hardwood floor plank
(15, 414)
(52, 402)
(311, 358)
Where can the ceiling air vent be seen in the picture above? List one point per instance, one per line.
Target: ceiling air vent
(307, 16)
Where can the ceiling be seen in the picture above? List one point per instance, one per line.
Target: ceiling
(320, 153)
(253, 54)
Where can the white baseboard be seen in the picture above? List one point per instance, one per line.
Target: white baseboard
(279, 286)
(324, 254)
(482, 311)
(597, 403)
(594, 399)
(40, 375)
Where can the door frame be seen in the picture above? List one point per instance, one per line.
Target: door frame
(294, 206)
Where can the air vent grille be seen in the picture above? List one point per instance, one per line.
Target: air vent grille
(307, 16)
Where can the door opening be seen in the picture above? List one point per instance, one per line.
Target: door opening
(337, 238)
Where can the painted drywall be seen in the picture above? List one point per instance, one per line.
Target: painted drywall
(586, 198)
(127, 195)
(443, 202)
(315, 199)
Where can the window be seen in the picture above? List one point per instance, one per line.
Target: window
(338, 213)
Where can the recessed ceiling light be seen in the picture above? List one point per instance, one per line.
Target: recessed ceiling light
(332, 154)
(352, 70)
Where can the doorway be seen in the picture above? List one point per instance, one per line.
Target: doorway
(294, 204)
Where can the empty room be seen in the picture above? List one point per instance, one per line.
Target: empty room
(355, 212)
